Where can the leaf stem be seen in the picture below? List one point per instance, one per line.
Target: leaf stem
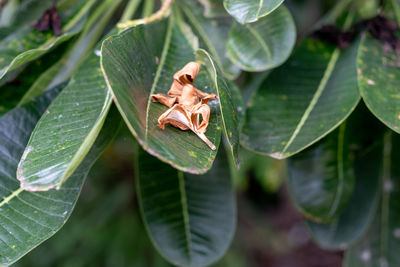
(72, 23)
(156, 16)
(148, 8)
(79, 16)
(130, 9)
(396, 8)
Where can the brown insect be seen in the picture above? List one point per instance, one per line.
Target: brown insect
(49, 19)
(188, 109)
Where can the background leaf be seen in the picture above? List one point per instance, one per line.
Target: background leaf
(246, 11)
(321, 178)
(213, 36)
(190, 218)
(65, 133)
(213, 8)
(28, 218)
(142, 61)
(379, 78)
(24, 44)
(291, 112)
(75, 55)
(356, 216)
(29, 11)
(378, 247)
(264, 44)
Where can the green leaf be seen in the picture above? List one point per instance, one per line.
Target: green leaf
(190, 218)
(358, 213)
(230, 102)
(13, 90)
(356, 216)
(213, 36)
(142, 61)
(378, 247)
(65, 133)
(303, 100)
(29, 11)
(264, 44)
(76, 54)
(321, 178)
(246, 11)
(25, 44)
(378, 79)
(213, 8)
(29, 218)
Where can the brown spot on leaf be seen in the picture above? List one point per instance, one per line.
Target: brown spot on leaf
(50, 19)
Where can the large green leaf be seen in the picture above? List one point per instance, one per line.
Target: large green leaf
(358, 213)
(321, 178)
(379, 79)
(356, 216)
(264, 44)
(230, 102)
(65, 133)
(246, 11)
(379, 245)
(142, 61)
(29, 218)
(213, 36)
(303, 100)
(190, 218)
(24, 44)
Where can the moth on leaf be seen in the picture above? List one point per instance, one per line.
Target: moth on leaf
(188, 109)
(50, 19)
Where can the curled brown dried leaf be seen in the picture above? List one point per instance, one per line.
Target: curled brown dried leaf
(188, 109)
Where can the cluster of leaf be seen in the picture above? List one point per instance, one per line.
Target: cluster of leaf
(56, 122)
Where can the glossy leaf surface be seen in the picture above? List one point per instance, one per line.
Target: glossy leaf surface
(246, 11)
(264, 44)
(230, 102)
(303, 100)
(142, 61)
(379, 79)
(65, 133)
(29, 218)
(190, 218)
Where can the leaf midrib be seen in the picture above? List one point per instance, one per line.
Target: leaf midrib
(260, 4)
(340, 169)
(185, 214)
(262, 42)
(321, 87)
(164, 53)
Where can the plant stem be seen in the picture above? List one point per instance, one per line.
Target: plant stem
(156, 16)
(148, 8)
(130, 9)
(396, 8)
(79, 16)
